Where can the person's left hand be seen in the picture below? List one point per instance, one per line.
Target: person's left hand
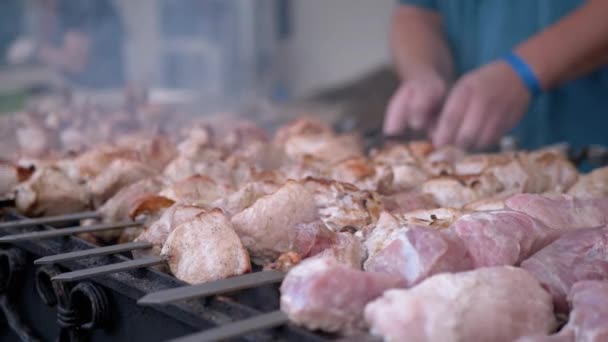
(482, 106)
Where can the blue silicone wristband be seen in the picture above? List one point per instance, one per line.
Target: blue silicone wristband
(525, 73)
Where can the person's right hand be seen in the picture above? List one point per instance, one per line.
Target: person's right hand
(416, 102)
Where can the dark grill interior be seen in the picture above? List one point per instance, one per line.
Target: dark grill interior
(118, 317)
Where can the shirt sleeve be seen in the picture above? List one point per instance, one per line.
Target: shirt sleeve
(427, 4)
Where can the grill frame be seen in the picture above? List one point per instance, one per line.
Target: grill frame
(125, 288)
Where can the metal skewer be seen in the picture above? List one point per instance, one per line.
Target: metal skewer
(240, 328)
(113, 268)
(212, 288)
(45, 234)
(50, 219)
(93, 252)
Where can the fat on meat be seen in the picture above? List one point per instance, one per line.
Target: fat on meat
(205, 248)
(50, 192)
(492, 304)
(501, 238)
(562, 211)
(576, 256)
(117, 175)
(313, 294)
(587, 322)
(270, 226)
(416, 253)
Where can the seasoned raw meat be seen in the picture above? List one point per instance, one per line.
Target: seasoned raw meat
(593, 184)
(128, 199)
(487, 204)
(342, 205)
(405, 164)
(343, 247)
(328, 148)
(11, 175)
(478, 163)
(588, 318)
(562, 211)
(501, 238)
(364, 174)
(489, 304)
(302, 126)
(576, 256)
(117, 175)
(404, 202)
(416, 253)
(205, 248)
(270, 226)
(244, 198)
(172, 217)
(314, 294)
(562, 174)
(196, 190)
(50, 192)
(452, 192)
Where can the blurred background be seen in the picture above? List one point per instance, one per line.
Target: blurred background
(330, 55)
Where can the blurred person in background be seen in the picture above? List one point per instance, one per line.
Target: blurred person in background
(82, 39)
(475, 70)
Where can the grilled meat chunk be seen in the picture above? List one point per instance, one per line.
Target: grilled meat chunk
(157, 232)
(271, 225)
(50, 192)
(205, 248)
(11, 175)
(196, 190)
(120, 173)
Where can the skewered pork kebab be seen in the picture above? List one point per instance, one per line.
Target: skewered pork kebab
(454, 182)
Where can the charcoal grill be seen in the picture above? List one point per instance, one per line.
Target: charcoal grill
(105, 307)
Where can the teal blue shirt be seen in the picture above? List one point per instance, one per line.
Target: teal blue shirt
(481, 31)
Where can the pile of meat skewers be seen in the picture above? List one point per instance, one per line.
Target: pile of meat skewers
(406, 241)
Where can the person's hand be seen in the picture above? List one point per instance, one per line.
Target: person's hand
(21, 51)
(482, 106)
(415, 103)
